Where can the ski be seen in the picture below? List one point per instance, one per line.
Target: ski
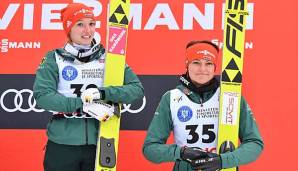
(117, 30)
(231, 75)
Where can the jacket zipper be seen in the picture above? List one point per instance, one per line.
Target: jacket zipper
(201, 102)
(201, 99)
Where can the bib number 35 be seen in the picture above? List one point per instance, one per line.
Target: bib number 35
(207, 129)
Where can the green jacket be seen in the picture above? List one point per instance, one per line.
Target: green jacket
(72, 131)
(156, 150)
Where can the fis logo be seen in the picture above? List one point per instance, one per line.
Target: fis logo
(234, 42)
(234, 26)
(178, 99)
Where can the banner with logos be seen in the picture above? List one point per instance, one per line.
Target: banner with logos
(158, 33)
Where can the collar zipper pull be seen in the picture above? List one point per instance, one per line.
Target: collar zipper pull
(201, 101)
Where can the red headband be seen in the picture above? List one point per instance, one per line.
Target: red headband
(201, 51)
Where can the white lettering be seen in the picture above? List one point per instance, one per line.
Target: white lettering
(117, 40)
(135, 16)
(28, 16)
(247, 45)
(47, 16)
(8, 15)
(162, 15)
(4, 42)
(13, 44)
(155, 18)
(192, 12)
(16, 45)
(24, 45)
(28, 44)
(21, 45)
(36, 45)
(4, 47)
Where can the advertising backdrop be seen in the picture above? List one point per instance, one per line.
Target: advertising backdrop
(158, 33)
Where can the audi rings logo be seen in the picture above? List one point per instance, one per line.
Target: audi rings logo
(18, 101)
(127, 107)
(23, 101)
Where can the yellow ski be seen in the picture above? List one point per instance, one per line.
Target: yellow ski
(108, 136)
(231, 76)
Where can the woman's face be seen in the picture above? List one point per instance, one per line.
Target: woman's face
(83, 31)
(201, 71)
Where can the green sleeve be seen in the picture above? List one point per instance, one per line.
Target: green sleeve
(45, 88)
(251, 141)
(131, 90)
(155, 148)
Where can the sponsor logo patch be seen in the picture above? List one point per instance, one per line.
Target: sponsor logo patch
(184, 113)
(69, 73)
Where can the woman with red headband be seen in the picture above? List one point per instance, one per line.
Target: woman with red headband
(69, 81)
(191, 111)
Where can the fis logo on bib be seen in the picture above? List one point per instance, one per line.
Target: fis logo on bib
(69, 73)
(184, 113)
